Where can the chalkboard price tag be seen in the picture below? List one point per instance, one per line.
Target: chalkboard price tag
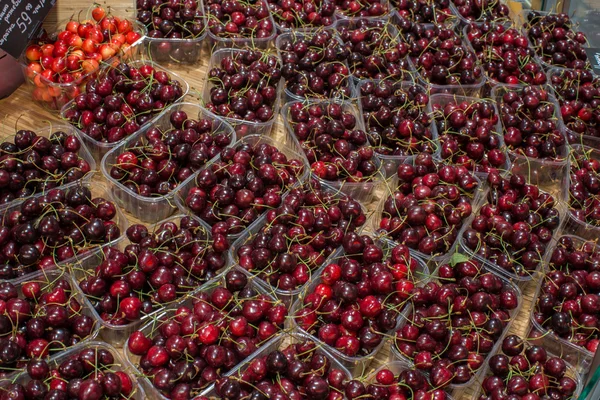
(593, 54)
(19, 21)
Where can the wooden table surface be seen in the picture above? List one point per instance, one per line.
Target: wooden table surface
(19, 112)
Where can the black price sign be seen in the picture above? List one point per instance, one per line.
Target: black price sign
(593, 54)
(19, 20)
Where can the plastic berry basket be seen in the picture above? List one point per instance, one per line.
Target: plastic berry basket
(459, 390)
(390, 163)
(54, 95)
(572, 224)
(150, 328)
(292, 37)
(218, 42)
(306, 28)
(391, 187)
(279, 343)
(46, 279)
(577, 356)
(358, 365)
(153, 209)
(443, 99)
(82, 153)
(85, 255)
(549, 175)
(120, 364)
(252, 140)
(361, 191)
(114, 334)
(243, 127)
(571, 372)
(98, 148)
(176, 51)
(287, 296)
(520, 280)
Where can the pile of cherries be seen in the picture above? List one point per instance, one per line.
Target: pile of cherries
(90, 374)
(244, 86)
(485, 10)
(298, 371)
(584, 186)
(505, 55)
(454, 323)
(527, 371)
(299, 235)
(425, 11)
(356, 300)
(531, 127)
(330, 136)
(569, 299)
(31, 164)
(361, 8)
(154, 269)
(40, 317)
(578, 93)
(396, 118)
(157, 162)
(303, 14)
(75, 52)
(375, 49)
(206, 338)
(467, 133)
(237, 188)
(314, 65)
(117, 103)
(555, 42)
(514, 227)
(427, 209)
(239, 20)
(55, 227)
(441, 58)
(408, 384)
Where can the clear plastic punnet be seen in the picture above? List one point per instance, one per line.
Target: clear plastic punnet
(358, 365)
(100, 148)
(243, 127)
(159, 207)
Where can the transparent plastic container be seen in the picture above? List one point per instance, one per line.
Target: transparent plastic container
(46, 279)
(54, 95)
(293, 37)
(343, 15)
(571, 373)
(287, 296)
(549, 175)
(307, 29)
(443, 99)
(85, 255)
(279, 343)
(120, 364)
(390, 163)
(98, 148)
(579, 357)
(470, 90)
(361, 191)
(153, 209)
(114, 334)
(83, 153)
(358, 365)
(152, 326)
(176, 51)
(432, 261)
(243, 127)
(218, 42)
(459, 390)
(572, 224)
(253, 140)
(491, 265)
